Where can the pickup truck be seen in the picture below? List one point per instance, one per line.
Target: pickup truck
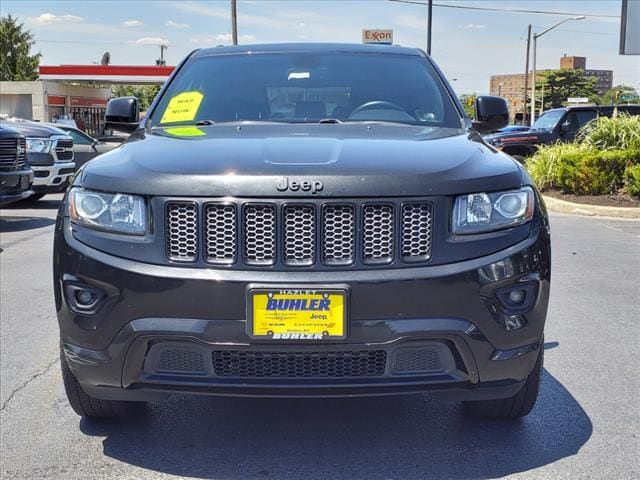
(558, 124)
(15, 174)
(50, 155)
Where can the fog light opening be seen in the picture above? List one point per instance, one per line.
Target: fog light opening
(516, 296)
(83, 298)
(517, 299)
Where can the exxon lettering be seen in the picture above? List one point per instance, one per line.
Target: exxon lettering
(298, 304)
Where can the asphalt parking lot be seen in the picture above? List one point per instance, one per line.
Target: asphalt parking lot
(586, 423)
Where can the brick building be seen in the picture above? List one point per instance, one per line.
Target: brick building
(511, 86)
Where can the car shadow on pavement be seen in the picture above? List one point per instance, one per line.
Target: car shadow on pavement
(389, 437)
(20, 224)
(42, 204)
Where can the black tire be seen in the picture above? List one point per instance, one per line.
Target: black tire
(90, 407)
(34, 198)
(511, 408)
(519, 158)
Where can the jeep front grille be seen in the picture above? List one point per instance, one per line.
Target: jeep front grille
(182, 231)
(298, 234)
(338, 234)
(220, 233)
(259, 234)
(416, 231)
(377, 237)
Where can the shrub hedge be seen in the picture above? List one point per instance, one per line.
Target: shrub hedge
(604, 159)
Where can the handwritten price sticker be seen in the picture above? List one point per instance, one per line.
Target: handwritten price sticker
(182, 107)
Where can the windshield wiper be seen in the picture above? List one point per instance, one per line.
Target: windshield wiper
(199, 123)
(329, 120)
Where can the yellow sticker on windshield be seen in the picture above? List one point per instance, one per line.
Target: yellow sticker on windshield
(185, 131)
(182, 107)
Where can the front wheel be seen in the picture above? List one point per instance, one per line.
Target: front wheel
(91, 407)
(511, 408)
(34, 198)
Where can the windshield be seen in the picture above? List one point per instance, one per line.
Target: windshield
(548, 120)
(306, 87)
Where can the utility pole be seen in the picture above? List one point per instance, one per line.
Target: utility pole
(429, 16)
(526, 77)
(161, 61)
(234, 22)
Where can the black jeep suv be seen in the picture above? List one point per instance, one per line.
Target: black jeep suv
(303, 220)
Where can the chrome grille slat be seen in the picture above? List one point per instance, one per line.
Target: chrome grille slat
(64, 150)
(182, 231)
(299, 235)
(220, 230)
(259, 230)
(318, 233)
(377, 233)
(417, 221)
(9, 157)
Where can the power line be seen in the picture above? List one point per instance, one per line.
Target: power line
(509, 10)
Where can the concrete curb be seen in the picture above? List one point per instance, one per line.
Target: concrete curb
(557, 205)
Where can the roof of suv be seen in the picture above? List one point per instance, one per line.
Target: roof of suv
(595, 107)
(309, 47)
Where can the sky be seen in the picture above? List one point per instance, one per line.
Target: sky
(468, 45)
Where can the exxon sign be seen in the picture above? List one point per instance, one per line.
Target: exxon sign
(384, 37)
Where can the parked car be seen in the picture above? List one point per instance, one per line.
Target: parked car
(15, 174)
(85, 147)
(558, 124)
(307, 221)
(50, 155)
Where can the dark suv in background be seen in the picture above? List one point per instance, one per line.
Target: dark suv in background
(558, 124)
(50, 155)
(15, 174)
(303, 220)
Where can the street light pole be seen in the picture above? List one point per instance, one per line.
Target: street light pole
(429, 15)
(533, 80)
(234, 22)
(526, 77)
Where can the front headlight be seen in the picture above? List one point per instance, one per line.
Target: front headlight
(484, 212)
(113, 212)
(39, 145)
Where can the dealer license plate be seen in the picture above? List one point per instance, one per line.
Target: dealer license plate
(296, 314)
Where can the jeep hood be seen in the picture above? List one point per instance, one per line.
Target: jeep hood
(351, 160)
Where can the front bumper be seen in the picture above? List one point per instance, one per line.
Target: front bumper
(147, 309)
(15, 185)
(52, 178)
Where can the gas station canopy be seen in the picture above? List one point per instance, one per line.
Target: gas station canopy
(106, 74)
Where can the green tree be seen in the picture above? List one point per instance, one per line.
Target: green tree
(16, 62)
(144, 93)
(561, 84)
(620, 94)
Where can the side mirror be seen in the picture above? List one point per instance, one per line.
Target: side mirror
(492, 113)
(122, 114)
